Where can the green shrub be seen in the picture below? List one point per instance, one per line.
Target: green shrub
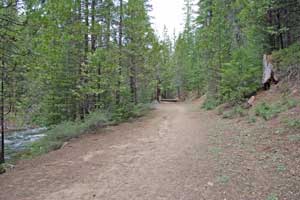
(269, 111)
(130, 111)
(2, 169)
(210, 104)
(96, 120)
(240, 76)
(287, 62)
(287, 57)
(141, 110)
(55, 138)
(237, 111)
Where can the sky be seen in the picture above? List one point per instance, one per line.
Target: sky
(169, 13)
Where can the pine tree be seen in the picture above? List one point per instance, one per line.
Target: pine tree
(10, 52)
(137, 38)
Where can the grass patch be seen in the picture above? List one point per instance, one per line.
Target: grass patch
(294, 138)
(59, 134)
(290, 103)
(268, 111)
(272, 197)
(251, 119)
(223, 179)
(236, 111)
(215, 150)
(293, 123)
(281, 168)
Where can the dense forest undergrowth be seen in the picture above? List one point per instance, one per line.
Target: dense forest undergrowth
(73, 65)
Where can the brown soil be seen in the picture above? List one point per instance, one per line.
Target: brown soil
(176, 152)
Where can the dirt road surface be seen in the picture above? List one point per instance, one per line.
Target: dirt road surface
(161, 156)
(177, 152)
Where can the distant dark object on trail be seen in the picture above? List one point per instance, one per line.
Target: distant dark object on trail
(269, 75)
(169, 100)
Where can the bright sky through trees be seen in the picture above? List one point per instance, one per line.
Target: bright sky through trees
(169, 13)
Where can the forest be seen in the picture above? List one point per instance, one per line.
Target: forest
(63, 61)
(95, 103)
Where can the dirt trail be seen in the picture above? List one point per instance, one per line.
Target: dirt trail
(177, 152)
(161, 156)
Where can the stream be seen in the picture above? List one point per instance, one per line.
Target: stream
(17, 141)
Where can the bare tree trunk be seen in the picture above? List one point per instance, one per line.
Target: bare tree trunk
(2, 156)
(108, 25)
(93, 44)
(100, 43)
(158, 90)
(80, 106)
(133, 89)
(118, 95)
(86, 35)
(93, 35)
(86, 100)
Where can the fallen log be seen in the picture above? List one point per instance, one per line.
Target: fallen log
(169, 100)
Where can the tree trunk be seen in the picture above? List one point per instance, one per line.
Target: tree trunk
(2, 156)
(133, 89)
(118, 95)
(86, 100)
(93, 34)
(80, 106)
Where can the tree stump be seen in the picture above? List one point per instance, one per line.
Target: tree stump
(269, 76)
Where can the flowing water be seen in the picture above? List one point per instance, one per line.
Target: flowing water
(17, 141)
